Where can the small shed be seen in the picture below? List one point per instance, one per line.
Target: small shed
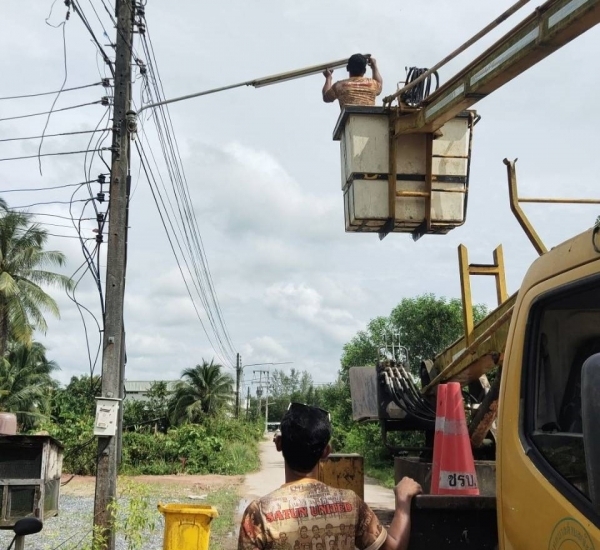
(30, 471)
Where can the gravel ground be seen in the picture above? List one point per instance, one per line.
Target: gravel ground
(72, 527)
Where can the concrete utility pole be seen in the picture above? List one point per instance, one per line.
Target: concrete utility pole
(113, 345)
(238, 377)
(248, 405)
(260, 389)
(267, 406)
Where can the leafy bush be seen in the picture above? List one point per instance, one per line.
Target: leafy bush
(80, 446)
(218, 446)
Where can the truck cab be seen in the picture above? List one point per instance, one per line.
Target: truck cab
(545, 448)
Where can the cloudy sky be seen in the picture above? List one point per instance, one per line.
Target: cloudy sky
(264, 172)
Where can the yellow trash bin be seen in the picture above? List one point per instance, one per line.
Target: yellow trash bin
(187, 526)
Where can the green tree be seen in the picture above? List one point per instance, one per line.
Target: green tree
(203, 390)
(23, 272)
(77, 399)
(26, 383)
(285, 387)
(426, 325)
(155, 407)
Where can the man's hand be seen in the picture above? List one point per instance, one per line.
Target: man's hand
(406, 490)
(328, 73)
(372, 62)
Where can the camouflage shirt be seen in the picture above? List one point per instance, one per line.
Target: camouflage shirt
(309, 515)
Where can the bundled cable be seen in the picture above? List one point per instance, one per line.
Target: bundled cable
(404, 393)
(415, 96)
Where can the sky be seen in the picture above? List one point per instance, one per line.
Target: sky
(264, 172)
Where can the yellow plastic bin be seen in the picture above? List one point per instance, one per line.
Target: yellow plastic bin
(187, 526)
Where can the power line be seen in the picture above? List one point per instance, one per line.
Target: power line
(188, 227)
(44, 203)
(77, 9)
(49, 112)
(27, 189)
(54, 92)
(51, 135)
(64, 36)
(54, 154)
(33, 214)
(155, 191)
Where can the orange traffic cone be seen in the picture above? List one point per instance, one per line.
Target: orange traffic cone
(440, 417)
(457, 469)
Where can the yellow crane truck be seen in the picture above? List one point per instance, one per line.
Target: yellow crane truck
(534, 422)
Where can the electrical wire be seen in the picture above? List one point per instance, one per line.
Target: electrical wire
(64, 83)
(52, 93)
(198, 279)
(164, 214)
(81, 308)
(28, 189)
(50, 215)
(77, 9)
(50, 135)
(53, 154)
(42, 203)
(189, 225)
(48, 112)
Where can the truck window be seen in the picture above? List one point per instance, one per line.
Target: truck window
(564, 330)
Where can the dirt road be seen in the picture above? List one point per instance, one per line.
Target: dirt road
(271, 476)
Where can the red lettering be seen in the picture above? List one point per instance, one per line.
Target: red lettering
(303, 512)
(278, 516)
(314, 511)
(348, 506)
(269, 517)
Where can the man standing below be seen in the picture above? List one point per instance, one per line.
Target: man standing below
(302, 500)
(357, 89)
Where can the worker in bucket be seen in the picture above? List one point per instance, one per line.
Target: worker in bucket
(357, 89)
(303, 502)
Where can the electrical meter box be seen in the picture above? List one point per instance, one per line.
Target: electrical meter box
(107, 416)
(432, 172)
(30, 470)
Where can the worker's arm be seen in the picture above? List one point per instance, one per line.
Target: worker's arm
(399, 532)
(328, 90)
(376, 74)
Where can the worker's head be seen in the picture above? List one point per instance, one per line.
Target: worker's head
(357, 65)
(305, 435)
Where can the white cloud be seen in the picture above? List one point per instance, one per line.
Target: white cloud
(307, 305)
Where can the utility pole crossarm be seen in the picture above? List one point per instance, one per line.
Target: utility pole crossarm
(550, 27)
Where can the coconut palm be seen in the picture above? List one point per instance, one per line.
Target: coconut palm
(202, 391)
(23, 272)
(26, 382)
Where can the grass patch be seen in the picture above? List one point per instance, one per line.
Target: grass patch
(224, 530)
(382, 472)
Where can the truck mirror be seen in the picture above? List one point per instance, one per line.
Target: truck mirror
(27, 526)
(590, 412)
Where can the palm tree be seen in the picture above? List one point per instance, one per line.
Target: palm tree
(25, 382)
(202, 391)
(23, 269)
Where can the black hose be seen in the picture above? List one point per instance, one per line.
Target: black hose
(417, 94)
